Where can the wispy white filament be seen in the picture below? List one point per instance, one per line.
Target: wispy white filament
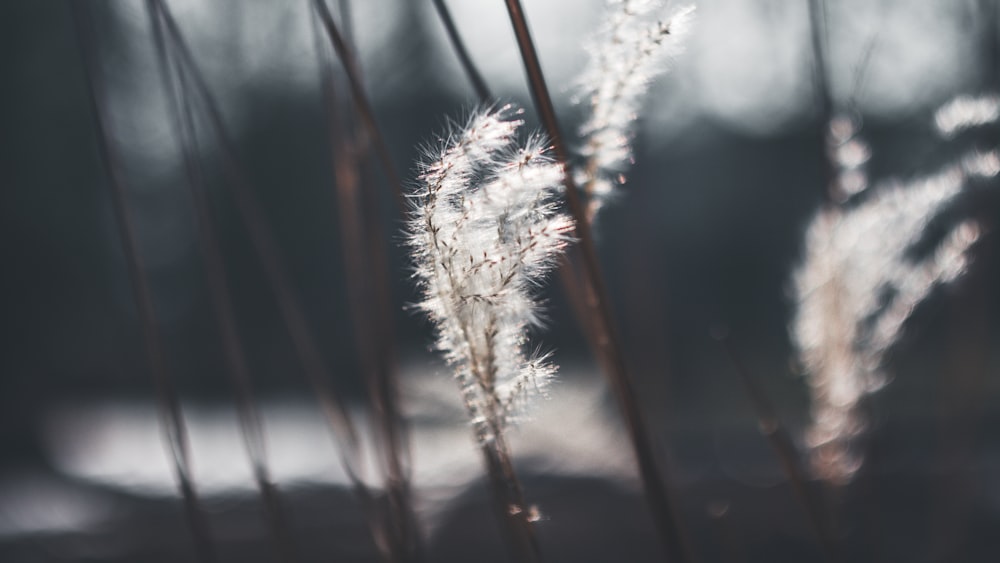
(857, 286)
(625, 55)
(484, 230)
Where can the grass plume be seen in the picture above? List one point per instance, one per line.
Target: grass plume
(859, 282)
(483, 231)
(626, 54)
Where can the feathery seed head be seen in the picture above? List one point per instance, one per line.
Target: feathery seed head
(855, 289)
(625, 55)
(484, 229)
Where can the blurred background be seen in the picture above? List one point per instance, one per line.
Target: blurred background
(729, 170)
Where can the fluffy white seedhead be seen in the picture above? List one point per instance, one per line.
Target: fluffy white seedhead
(966, 112)
(858, 284)
(484, 230)
(629, 50)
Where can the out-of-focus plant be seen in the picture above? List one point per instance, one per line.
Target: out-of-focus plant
(860, 281)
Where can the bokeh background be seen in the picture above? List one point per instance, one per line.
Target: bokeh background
(728, 171)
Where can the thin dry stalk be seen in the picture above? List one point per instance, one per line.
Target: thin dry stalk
(174, 80)
(383, 387)
(347, 191)
(824, 100)
(168, 404)
(386, 393)
(817, 36)
(777, 435)
(317, 373)
(363, 106)
(657, 495)
(364, 256)
(509, 503)
(478, 83)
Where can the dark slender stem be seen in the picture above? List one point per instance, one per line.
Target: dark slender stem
(360, 98)
(368, 292)
(861, 73)
(383, 386)
(237, 369)
(384, 393)
(824, 101)
(347, 17)
(781, 442)
(347, 190)
(508, 499)
(657, 495)
(478, 84)
(171, 417)
(315, 368)
(818, 35)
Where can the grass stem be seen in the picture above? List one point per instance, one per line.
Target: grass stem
(660, 502)
(361, 103)
(315, 368)
(170, 415)
(780, 440)
(473, 74)
(365, 264)
(175, 83)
